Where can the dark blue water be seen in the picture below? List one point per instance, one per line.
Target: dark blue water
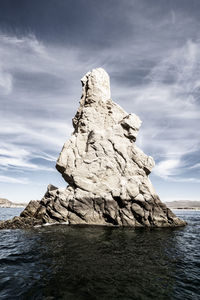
(9, 213)
(65, 262)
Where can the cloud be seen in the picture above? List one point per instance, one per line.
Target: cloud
(152, 55)
(19, 163)
(26, 44)
(168, 101)
(5, 82)
(35, 131)
(13, 157)
(186, 180)
(40, 106)
(155, 76)
(8, 179)
(167, 168)
(33, 125)
(196, 166)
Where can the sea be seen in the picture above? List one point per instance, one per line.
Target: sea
(94, 262)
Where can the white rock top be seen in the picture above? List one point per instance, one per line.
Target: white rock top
(96, 85)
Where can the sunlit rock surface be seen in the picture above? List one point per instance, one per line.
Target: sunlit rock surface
(106, 172)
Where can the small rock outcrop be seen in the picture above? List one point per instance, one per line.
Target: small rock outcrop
(106, 172)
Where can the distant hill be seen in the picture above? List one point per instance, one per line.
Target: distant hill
(183, 204)
(7, 203)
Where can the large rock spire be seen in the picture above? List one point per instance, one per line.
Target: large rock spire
(106, 172)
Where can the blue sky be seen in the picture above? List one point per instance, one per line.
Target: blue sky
(151, 50)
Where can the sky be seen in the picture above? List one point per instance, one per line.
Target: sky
(151, 50)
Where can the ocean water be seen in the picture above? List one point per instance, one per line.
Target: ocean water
(81, 262)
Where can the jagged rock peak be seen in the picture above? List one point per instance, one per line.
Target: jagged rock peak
(106, 172)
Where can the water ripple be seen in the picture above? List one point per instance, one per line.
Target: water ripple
(66, 262)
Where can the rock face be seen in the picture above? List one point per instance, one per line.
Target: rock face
(106, 172)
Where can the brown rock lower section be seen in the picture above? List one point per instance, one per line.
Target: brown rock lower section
(58, 207)
(106, 172)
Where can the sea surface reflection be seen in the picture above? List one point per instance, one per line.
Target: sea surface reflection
(80, 262)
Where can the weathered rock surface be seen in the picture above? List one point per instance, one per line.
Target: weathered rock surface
(106, 172)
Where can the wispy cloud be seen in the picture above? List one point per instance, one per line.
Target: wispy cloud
(195, 166)
(5, 82)
(18, 163)
(168, 100)
(167, 97)
(33, 128)
(17, 158)
(166, 168)
(154, 67)
(8, 179)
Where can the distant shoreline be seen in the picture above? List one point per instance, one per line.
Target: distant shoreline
(172, 208)
(174, 205)
(190, 208)
(183, 205)
(5, 203)
(13, 206)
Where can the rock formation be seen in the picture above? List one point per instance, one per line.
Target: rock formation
(106, 172)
